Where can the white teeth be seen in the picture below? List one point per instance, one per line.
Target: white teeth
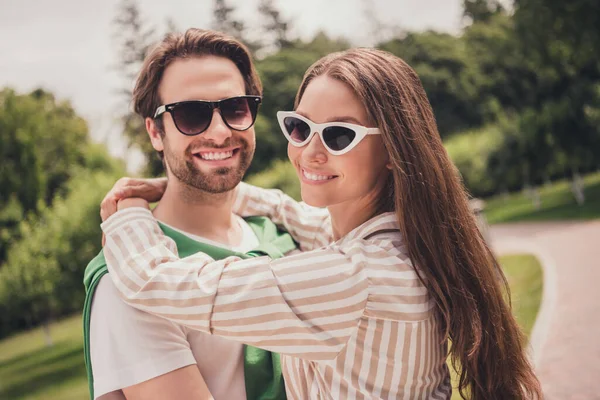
(315, 177)
(216, 156)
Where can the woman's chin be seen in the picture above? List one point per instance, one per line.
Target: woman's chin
(313, 200)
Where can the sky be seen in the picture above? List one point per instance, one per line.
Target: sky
(67, 46)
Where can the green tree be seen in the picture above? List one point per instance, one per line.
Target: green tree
(562, 40)
(481, 10)
(507, 78)
(449, 75)
(274, 25)
(281, 175)
(224, 20)
(281, 74)
(42, 278)
(133, 36)
(42, 144)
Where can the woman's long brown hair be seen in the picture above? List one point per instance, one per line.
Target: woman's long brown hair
(441, 233)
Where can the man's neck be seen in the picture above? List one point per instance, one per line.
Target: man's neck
(208, 215)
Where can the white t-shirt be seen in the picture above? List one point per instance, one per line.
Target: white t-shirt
(129, 346)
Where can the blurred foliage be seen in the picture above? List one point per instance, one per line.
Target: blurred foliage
(482, 10)
(562, 40)
(558, 203)
(43, 274)
(448, 74)
(42, 144)
(527, 82)
(132, 38)
(471, 152)
(280, 175)
(516, 97)
(281, 74)
(53, 179)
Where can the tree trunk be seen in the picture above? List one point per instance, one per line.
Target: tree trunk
(533, 194)
(577, 188)
(527, 191)
(535, 198)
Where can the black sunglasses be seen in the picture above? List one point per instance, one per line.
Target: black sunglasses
(194, 117)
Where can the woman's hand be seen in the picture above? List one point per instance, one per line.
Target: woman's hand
(132, 202)
(150, 190)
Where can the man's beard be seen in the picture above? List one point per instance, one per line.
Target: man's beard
(218, 180)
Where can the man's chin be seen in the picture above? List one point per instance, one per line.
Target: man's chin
(220, 186)
(214, 178)
(216, 181)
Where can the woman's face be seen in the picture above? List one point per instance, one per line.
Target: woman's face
(354, 178)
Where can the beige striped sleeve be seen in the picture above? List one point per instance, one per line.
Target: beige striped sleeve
(307, 305)
(309, 226)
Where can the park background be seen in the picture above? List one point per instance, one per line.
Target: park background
(515, 87)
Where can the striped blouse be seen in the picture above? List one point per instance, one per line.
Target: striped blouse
(350, 318)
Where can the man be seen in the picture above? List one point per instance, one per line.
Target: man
(206, 147)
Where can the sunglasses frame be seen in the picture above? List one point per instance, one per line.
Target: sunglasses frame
(212, 105)
(360, 131)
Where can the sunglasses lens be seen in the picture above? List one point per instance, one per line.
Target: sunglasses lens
(239, 112)
(192, 118)
(338, 137)
(297, 129)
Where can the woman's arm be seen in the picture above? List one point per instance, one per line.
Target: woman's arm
(309, 226)
(307, 305)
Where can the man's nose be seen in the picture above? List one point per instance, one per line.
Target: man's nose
(218, 131)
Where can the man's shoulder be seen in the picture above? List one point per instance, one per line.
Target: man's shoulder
(106, 298)
(112, 312)
(95, 268)
(129, 346)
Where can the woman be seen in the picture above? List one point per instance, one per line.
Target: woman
(395, 269)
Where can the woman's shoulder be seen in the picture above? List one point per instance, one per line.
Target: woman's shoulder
(396, 291)
(379, 237)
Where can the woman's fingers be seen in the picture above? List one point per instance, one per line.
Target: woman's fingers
(108, 206)
(150, 190)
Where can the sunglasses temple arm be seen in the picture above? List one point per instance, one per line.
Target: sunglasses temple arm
(160, 110)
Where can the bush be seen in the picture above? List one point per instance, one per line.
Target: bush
(280, 175)
(42, 278)
(470, 152)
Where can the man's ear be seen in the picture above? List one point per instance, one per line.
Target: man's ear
(155, 135)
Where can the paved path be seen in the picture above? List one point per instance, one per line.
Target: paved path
(566, 337)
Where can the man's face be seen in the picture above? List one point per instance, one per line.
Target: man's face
(216, 160)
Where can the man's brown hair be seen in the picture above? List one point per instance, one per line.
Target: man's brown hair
(193, 43)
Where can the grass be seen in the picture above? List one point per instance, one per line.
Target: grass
(31, 371)
(525, 278)
(557, 201)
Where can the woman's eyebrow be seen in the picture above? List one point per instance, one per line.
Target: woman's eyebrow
(348, 119)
